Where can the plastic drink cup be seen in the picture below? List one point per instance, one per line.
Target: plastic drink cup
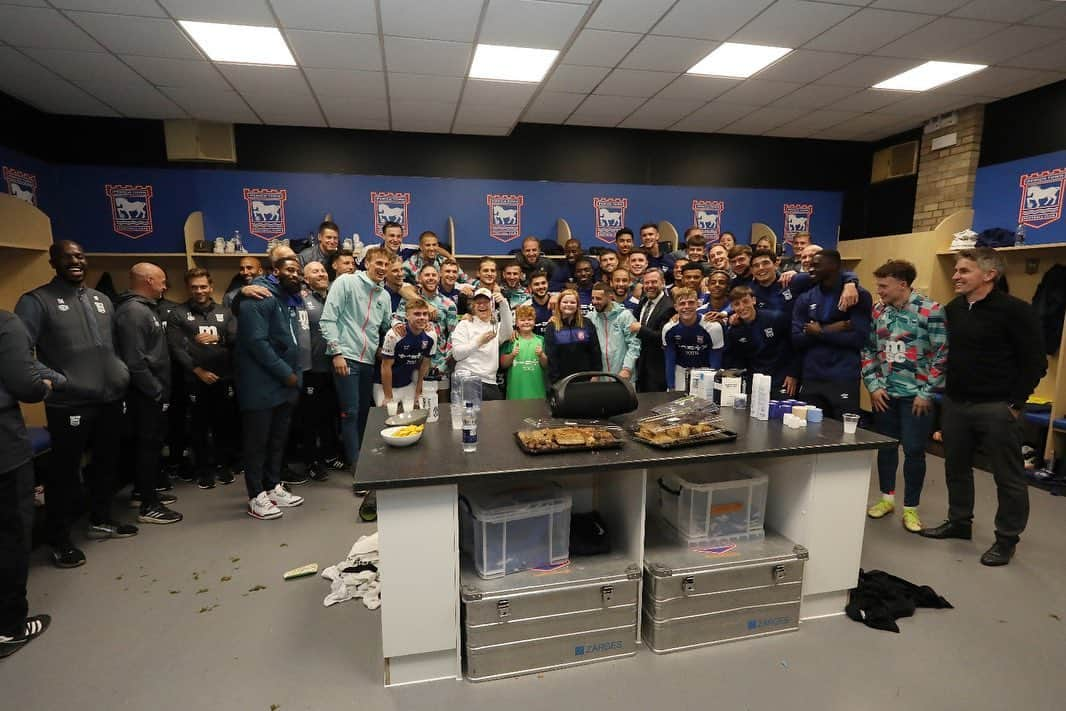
(392, 406)
(851, 423)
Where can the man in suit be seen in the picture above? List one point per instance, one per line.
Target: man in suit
(655, 310)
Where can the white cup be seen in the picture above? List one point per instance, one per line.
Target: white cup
(457, 416)
(851, 423)
(393, 407)
(408, 404)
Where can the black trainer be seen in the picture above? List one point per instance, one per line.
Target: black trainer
(318, 472)
(166, 499)
(336, 463)
(65, 555)
(158, 514)
(292, 477)
(34, 628)
(207, 481)
(224, 475)
(110, 529)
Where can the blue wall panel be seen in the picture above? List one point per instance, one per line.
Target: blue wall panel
(1000, 199)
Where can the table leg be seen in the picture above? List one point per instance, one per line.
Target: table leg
(419, 544)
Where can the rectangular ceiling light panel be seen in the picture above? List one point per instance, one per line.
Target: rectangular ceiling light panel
(240, 44)
(929, 75)
(502, 63)
(733, 59)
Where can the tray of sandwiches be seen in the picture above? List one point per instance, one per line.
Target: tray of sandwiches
(571, 438)
(673, 431)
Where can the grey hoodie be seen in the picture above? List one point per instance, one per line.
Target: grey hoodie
(142, 344)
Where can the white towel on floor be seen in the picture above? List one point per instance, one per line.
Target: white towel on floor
(364, 585)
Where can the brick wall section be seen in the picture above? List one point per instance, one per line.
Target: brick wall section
(946, 177)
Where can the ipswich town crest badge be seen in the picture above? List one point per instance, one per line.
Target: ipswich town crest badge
(1041, 201)
(797, 219)
(266, 212)
(21, 185)
(131, 209)
(505, 216)
(390, 207)
(610, 216)
(707, 215)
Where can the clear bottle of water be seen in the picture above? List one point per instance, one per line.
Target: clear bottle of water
(469, 427)
(1019, 235)
(357, 246)
(238, 246)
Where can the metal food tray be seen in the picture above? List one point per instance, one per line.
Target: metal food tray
(618, 442)
(717, 436)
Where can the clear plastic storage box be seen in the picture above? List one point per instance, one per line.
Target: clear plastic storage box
(515, 529)
(714, 506)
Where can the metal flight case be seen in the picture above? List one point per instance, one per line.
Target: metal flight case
(537, 620)
(711, 594)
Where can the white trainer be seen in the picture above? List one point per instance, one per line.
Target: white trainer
(262, 507)
(284, 498)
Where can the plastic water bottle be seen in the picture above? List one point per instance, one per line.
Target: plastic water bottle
(357, 246)
(1019, 235)
(469, 427)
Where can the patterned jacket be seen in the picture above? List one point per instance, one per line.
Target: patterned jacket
(907, 348)
(442, 328)
(413, 264)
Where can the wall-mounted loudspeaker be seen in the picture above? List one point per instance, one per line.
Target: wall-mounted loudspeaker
(206, 141)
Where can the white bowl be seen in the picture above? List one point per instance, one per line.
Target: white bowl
(389, 435)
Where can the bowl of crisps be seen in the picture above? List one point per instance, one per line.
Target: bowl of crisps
(403, 436)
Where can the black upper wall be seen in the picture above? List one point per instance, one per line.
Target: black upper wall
(1025, 125)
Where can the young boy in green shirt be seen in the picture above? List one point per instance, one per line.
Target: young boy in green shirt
(524, 358)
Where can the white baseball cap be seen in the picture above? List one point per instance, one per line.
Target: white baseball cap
(483, 292)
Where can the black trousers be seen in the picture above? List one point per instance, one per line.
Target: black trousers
(994, 427)
(97, 428)
(318, 417)
(14, 549)
(213, 426)
(265, 434)
(834, 397)
(177, 435)
(148, 423)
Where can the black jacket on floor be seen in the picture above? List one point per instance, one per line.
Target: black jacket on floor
(880, 599)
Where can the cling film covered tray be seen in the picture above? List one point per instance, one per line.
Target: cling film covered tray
(574, 438)
(682, 430)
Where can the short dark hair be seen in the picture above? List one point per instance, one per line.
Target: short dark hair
(428, 233)
(649, 225)
(727, 232)
(481, 262)
(581, 260)
(692, 267)
(197, 273)
(385, 227)
(428, 265)
(638, 250)
(739, 249)
(537, 274)
(623, 231)
(764, 253)
(690, 230)
(830, 254)
(608, 250)
(342, 253)
(602, 286)
(328, 225)
(287, 258)
(739, 292)
(695, 241)
(897, 269)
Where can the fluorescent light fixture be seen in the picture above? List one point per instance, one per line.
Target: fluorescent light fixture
(929, 75)
(493, 61)
(733, 59)
(242, 44)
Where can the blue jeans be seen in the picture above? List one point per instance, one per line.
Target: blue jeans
(355, 394)
(912, 431)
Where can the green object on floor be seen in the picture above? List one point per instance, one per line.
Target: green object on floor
(368, 510)
(301, 572)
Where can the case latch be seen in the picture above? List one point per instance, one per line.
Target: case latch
(779, 573)
(607, 593)
(503, 609)
(688, 585)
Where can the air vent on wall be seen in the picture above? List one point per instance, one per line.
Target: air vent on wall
(191, 140)
(895, 162)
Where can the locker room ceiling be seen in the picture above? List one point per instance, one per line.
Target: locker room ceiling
(403, 64)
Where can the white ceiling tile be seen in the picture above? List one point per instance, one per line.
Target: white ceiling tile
(818, 120)
(178, 72)
(804, 65)
(1053, 58)
(235, 12)
(812, 96)
(478, 129)
(713, 117)
(593, 120)
(840, 133)
(757, 92)
(552, 107)
(1011, 42)
(27, 3)
(925, 104)
(503, 94)
(942, 35)
(600, 48)
(530, 23)
(27, 80)
(606, 110)
(789, 131)
(791, 23)
(211, 104)
(571, 78)
(931, 7)
(708, 19)
(1055, 17)
(667, 54)
(282, 83)
(628, 15)
(42, 27)
(1000, 10)
(144, 8)
(414, 56)
(634, 82)
(1000, 82)
(425, 87)
(422, 124)
(455, 20)
(695, 87)
(868, 29)
(867, 71)
(426, 109)
(335, 50)
(483, 115)
(356, 16)
(134, 98)
(146, 36)
(84, 66)
(364, 123)
(348, 112)
(347, 83)
(867, 100)
(291, 110)
(659, 114)
(763, 120)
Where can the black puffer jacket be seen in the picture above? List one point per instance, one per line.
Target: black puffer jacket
(1050, 304)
